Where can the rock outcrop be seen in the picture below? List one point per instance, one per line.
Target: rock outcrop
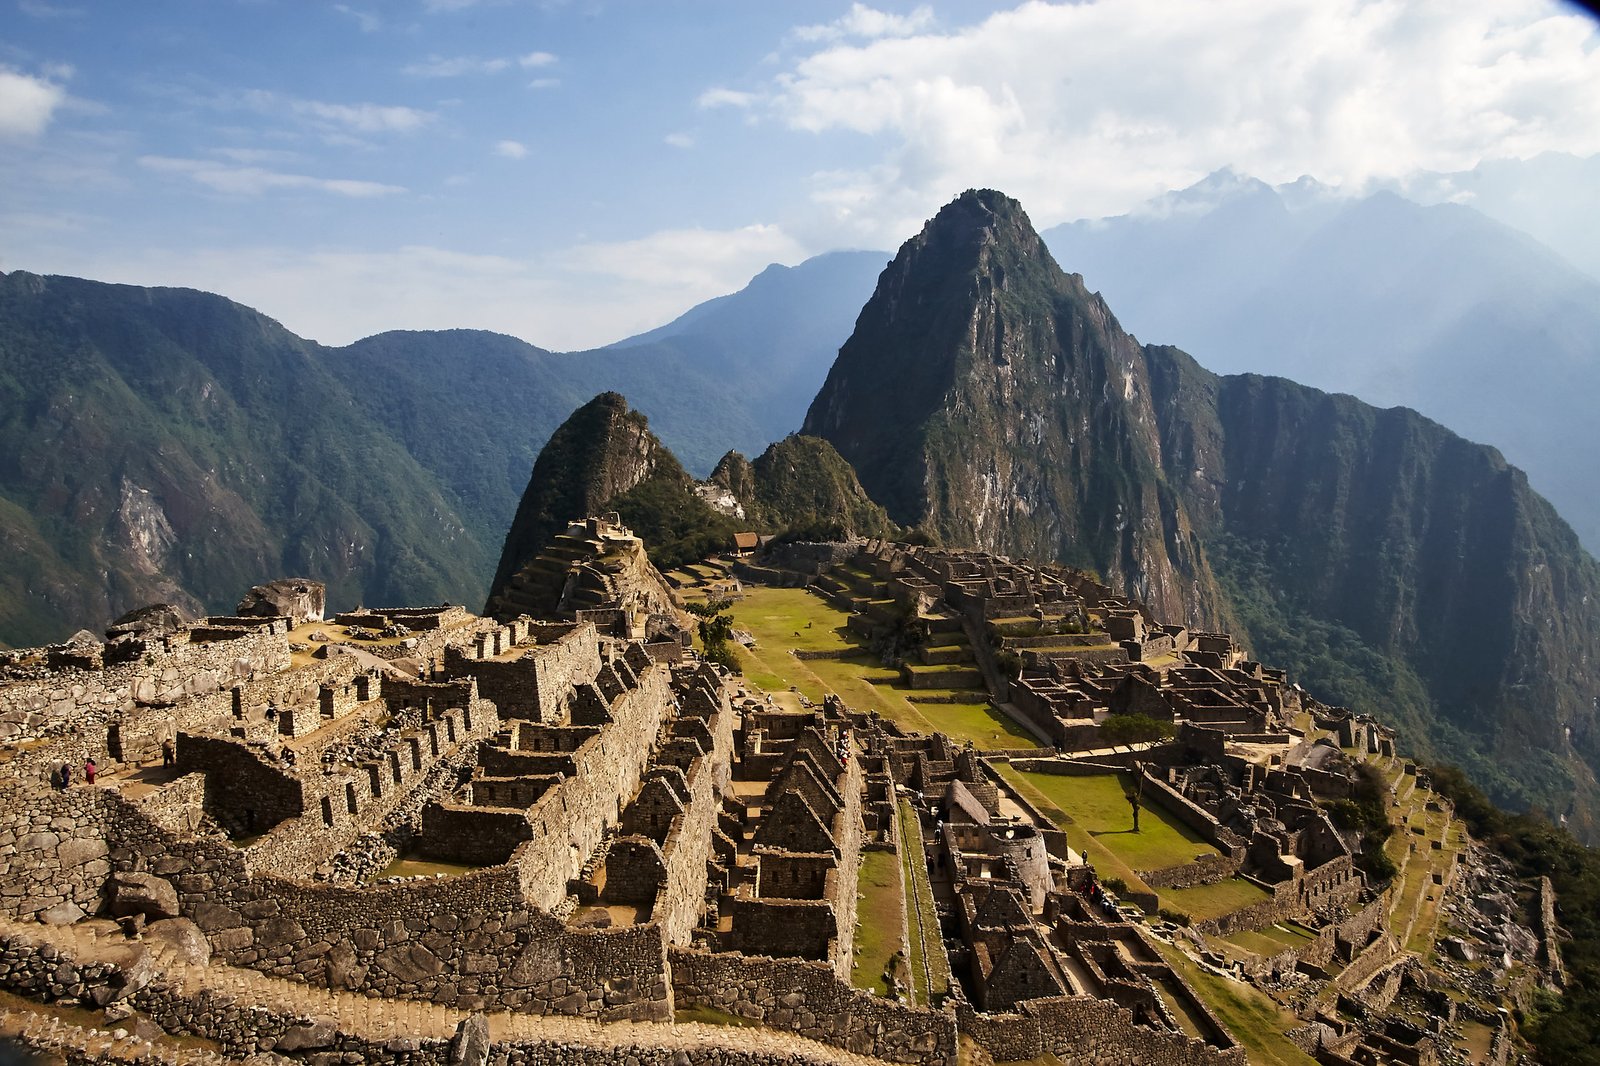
(600, 452)
(991, 398)
(297, 598)
(802, 483)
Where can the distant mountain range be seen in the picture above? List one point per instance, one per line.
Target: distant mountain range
(1435, 308)
(169, 444)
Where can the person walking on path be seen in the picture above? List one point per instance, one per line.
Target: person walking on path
(88, 770)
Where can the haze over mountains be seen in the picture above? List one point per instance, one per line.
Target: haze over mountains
(1437, 308)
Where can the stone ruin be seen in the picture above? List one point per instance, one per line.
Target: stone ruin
(572, 817)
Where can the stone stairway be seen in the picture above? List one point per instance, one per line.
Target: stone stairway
(401, 1023)
(47, 1033)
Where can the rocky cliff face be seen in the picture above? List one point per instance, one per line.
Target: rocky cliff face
(165, 444)
(600, 452)
(987, 395)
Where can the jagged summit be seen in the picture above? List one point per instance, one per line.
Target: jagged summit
(601, 451)
(988, 396)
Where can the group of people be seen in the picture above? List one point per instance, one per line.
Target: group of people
(62, 778)
(1098, 897)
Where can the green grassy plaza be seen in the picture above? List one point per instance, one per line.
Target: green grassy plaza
(880, 917)
(1215, 900)
(785, 620)
(1099, 820)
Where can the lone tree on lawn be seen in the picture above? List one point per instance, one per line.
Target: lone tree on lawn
(1133, 729)
(716, 632)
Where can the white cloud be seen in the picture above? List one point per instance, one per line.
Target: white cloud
(720, 97)
(511, 150)
(27, 103)
(258, 155)
(369, 22)
(869, 23)
(363, 118)
(1090, 108)
(544, 83)
(679, 140)
(565, 299)
(40, 10)
(256, 181)
(708, 262)
(456, 66)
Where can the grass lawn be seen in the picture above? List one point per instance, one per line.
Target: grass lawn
(1249, 1014)
(782, 620)
(880, 916)
(1213, 901)
(1273, 939)
(930, 969)
(1099, 811)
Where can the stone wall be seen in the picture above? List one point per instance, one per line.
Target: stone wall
(343, 801)
(1207, 870)
(809, 998)
(571, 820)
(1089, 1031)
(240, 1027)
(237, 779)
(533, 683)
(689, 840)
(85, 703)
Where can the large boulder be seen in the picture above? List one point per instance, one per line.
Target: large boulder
(297, 598)
(472, 1042)
(146, 894)
(183, 937)
(148, 623)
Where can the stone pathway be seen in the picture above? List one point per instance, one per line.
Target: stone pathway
(381, 1020)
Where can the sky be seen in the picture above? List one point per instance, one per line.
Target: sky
(576, 172)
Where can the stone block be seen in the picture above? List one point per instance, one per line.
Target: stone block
(410, 963)
(317, 1034)
(184, 937)
(214, 916)
(471, 1044)
(146, 894)
(62, 914)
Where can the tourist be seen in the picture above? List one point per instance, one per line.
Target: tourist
(88, 770)
(272, 711)
(168, 755)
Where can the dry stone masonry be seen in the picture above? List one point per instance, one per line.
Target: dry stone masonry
(571, 820)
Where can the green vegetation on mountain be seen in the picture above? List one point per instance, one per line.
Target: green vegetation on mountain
(1564, 1029)
(802, 484)
(164, 444)
(604, 458)
(168, 444)
(989, 398)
